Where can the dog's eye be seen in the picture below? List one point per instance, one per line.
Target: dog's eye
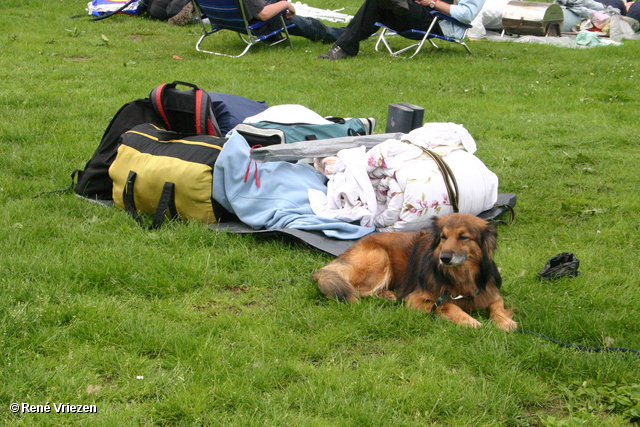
(443, 237)
(463, 237)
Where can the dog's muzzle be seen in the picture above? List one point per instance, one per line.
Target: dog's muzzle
(450, 259)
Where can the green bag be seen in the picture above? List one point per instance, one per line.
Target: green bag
(270, 133)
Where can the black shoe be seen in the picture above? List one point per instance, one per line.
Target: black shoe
(563, 264)
(400, 7)
(335, 52)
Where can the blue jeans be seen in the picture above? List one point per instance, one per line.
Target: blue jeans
(312, 29)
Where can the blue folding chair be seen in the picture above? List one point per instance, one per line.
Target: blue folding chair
(422, 36)
(216, 15)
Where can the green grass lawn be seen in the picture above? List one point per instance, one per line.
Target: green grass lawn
(184, 326)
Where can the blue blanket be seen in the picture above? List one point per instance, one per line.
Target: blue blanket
(273, 195)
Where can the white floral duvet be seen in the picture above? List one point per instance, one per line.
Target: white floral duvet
(408, 186)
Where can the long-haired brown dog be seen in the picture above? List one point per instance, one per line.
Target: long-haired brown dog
(449, 269)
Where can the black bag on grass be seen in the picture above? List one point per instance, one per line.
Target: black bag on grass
(185, 111)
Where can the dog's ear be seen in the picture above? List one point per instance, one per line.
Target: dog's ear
(489, 238)
(436, 231)
(421, 262)
(488, 269)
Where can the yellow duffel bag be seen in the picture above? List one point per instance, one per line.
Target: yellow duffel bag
(165, 173)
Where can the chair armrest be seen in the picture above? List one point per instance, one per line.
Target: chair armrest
(449, 18)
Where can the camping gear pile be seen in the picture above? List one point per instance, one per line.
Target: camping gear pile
(199, 156)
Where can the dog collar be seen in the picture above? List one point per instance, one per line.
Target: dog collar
(440, 300)
(444, 297)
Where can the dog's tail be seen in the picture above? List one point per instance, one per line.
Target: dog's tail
(333, 282)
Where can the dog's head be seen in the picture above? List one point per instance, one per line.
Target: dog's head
(457, 252)
(460, 238)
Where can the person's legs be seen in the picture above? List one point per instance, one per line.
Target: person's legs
(634, 11)
(362, 26)
(183, 16)
(418, 18)
(313, 29)
(158, 9)
(310, 28)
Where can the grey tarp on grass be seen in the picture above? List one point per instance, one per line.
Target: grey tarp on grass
(317, 240)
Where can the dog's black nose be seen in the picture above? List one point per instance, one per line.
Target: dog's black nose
(445, 258)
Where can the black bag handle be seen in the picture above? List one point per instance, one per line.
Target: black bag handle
(156, 98)
(166, 202)
(180, 82)
(128, 199)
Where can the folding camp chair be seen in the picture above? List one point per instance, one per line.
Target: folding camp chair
(420, 36)
(216, 15)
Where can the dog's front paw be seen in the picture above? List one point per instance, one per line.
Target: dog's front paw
(388, 295)
(471, 323)
(508, 325)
